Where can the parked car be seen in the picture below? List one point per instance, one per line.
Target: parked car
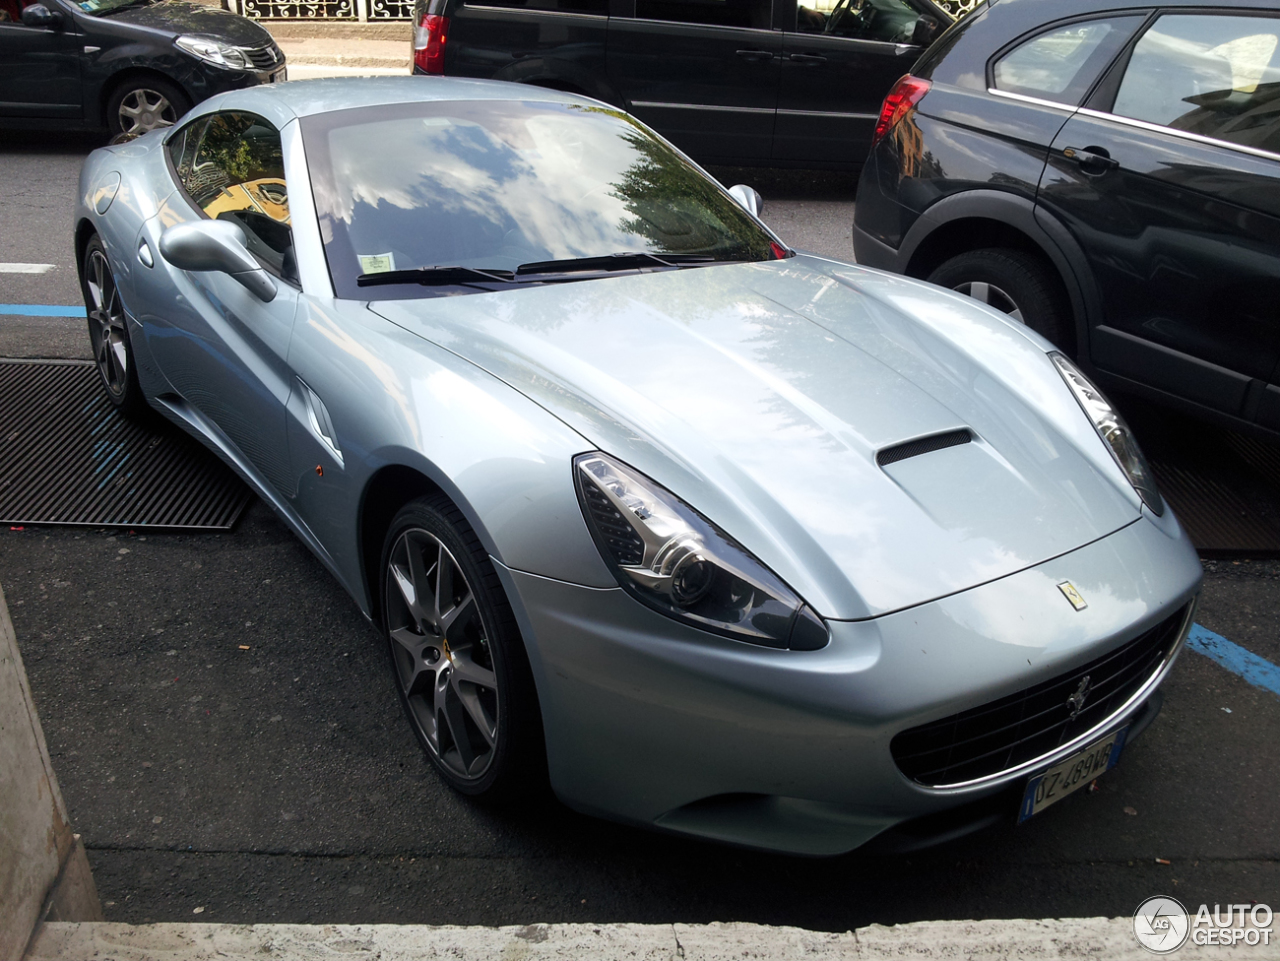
(748, 82)
(724, 539)
(127, 65)
(1107, 174)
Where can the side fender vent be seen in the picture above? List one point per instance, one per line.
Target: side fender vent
(923, 445)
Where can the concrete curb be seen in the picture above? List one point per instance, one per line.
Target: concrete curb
(1103, 938)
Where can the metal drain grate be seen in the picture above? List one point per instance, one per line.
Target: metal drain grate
(1223, 485)
(67, 457)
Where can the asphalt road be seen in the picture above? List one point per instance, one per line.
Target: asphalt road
(282, 784)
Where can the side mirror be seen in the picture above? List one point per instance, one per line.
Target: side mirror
(216, 245)
(748, 198)
(925, 30)
(38, 15)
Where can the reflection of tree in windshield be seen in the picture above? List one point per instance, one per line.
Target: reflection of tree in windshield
(677, 209)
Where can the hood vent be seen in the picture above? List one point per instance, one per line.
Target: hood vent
(923, 445)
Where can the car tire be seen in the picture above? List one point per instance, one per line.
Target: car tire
(109, 331)
(457, 658)
(145, 103)
(1015, 283)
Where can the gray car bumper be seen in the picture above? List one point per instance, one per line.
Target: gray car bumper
(650, 722)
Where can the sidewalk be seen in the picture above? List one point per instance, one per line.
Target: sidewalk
(1103, 938)
(309, 57)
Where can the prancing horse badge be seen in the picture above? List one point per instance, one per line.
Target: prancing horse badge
(1075, 597)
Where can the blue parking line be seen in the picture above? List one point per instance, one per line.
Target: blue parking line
(42, 310)
(1256, 670)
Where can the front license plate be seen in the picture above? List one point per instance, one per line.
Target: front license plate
(1072, 774)
(280, 76)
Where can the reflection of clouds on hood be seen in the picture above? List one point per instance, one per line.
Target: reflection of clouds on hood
(547, 176)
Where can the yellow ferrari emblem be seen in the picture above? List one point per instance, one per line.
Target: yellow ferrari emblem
(1074, 596)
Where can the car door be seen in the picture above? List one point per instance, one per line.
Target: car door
(703, 73)
(1170, 180)
(223, 350)
(40, 69)
(839, 59)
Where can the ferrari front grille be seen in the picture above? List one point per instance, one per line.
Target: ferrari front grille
(1004, 734)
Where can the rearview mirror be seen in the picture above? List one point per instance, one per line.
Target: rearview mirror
(748, 198)
(38, 15)
(217, 245)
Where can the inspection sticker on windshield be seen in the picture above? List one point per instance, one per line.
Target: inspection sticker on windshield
(377, 263)
(1072, 774)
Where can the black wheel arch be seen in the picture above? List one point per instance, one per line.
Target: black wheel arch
(994, 218)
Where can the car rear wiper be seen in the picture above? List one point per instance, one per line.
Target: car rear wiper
(437, 277)
(628, 260)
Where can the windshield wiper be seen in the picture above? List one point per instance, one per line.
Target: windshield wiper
(437, 277)
(628, 260)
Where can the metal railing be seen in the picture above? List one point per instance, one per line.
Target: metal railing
(355, 11)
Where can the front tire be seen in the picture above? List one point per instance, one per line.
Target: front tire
(457, 657)
(142, 104)
(109, 331)
(1015, 283)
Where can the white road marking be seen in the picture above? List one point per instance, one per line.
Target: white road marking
(26, 268)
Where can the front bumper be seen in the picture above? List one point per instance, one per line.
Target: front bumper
(652, 722)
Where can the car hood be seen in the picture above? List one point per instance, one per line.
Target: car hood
(761, 394)
(179, 17)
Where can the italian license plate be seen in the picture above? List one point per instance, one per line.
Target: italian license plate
(280, 76)
(1072, 774)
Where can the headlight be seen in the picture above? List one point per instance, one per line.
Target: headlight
(674, 560)
(215, 52)
(1114, 431)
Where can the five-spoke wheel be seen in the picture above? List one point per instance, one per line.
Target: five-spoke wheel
(109, 330)
(143, 104)
(461, 669)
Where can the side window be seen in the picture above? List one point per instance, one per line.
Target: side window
(1062, 64)
(723, 13)
(237, 173)
(182, 148)
(598, 7)
(891, 21)
(1218, 76)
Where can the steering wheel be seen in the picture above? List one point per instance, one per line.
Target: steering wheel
(836, 15)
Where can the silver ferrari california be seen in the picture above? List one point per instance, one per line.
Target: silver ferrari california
(714, 536)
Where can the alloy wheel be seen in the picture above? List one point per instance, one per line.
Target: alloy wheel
(992, 296)
(441, 653)
(107, 325)
(144, 110)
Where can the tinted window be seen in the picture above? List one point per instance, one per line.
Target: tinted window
(1061, 65)
(599, 7)
(892, 21)
(494, 185)
(724, 13)
(237, 173)
(1218, 76)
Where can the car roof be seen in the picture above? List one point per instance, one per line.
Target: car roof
(1051, 10)
(304, 98)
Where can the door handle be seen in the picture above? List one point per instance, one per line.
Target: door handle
(755, 55)
(1092, 160)
(808, 59)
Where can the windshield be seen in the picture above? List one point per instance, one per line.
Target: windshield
(100, 8)
(498, 184)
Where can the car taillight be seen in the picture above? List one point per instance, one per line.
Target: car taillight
(906, 93)
(428, 42)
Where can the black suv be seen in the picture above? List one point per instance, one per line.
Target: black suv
(1108, 174)
(749, 82)
(128, 65)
